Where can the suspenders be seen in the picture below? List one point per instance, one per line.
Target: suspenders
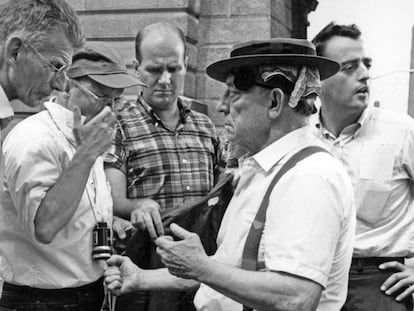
(251, 248)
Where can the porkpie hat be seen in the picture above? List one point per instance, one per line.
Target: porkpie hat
(283, 51)
(103, 64)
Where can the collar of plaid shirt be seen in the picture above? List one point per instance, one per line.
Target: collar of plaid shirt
(183, 106)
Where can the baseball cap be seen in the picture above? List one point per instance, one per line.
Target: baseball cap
(103, 64)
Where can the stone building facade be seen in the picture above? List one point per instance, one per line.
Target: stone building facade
(211, 28)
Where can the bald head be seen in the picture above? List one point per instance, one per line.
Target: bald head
(158, 32)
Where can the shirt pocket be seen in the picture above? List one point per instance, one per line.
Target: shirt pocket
(374, 181)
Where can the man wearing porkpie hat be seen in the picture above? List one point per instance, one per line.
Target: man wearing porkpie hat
(306, 236)
(56, 191)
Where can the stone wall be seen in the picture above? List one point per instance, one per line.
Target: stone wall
(211, 28)
(222, 24)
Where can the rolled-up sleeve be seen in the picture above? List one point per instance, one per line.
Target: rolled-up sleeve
(116, 157)
(32, 167)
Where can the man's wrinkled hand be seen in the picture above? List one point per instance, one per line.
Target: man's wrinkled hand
(147, 217)
(121, 275)
(399, 280)
(120, 226)
(184, 258)
(96, 134)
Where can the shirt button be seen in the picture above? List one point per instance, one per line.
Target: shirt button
(187, 187)
(184, 161)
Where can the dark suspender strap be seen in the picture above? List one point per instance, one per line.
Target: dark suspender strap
(251, 247)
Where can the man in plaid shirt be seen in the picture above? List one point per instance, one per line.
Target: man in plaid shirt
(163, 154)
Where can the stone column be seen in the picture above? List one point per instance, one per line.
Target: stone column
(224, 23)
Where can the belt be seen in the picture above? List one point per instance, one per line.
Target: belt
(54, 293)
(374, 261)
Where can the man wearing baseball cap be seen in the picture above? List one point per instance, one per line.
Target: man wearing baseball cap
(283, 246)
(56, 192)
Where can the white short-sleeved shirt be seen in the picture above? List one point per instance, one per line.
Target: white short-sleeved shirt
(310, 221)
(36, 152)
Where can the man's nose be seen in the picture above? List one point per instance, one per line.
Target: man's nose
(165, 77)
(363, 72)
(59, 82)
(223, 108)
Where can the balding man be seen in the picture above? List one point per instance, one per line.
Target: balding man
(164, 153)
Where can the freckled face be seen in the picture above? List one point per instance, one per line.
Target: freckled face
(162, 69)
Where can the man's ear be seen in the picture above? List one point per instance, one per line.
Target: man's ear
(12, 49)
(276, 103)
(135, 65)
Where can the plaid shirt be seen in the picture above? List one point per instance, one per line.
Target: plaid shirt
(171, 167)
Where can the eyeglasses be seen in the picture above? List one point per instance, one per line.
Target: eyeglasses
(246, 77)
(57, 72)
(104, 100)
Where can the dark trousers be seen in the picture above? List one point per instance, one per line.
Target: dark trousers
(24, 298)
(364, 292)
(154, 301)
(150, 300)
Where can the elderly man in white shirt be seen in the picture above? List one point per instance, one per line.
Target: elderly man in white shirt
(56, 195)
(304, 251)
(53, 28)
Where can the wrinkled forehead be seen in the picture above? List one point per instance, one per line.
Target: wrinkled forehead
(56, 46)
(160, 48)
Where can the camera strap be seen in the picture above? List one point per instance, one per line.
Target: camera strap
(100, 216)
(100, 213)
(109, 302)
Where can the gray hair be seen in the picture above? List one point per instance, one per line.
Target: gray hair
(34, 20)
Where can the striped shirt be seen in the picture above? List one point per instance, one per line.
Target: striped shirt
(171, 167)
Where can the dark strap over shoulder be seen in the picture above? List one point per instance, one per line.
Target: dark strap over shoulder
(251, 247)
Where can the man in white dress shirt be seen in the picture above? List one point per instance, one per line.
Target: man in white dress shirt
(56, 193)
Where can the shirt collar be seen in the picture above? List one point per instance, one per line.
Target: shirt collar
(184, 109)
(316, 121)
(278, 150)
(63, 119)
(366, 114)
(6, 111)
